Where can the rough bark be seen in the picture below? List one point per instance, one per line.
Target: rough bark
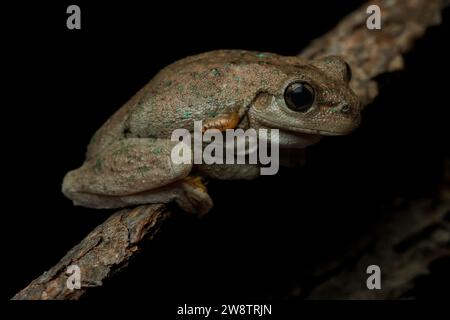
(406, 242)
(410, 236)
(371, 53)
(104, 251)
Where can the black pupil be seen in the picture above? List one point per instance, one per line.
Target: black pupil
(299, 97)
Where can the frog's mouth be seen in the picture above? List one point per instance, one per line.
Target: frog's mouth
(262, 121)
(286, 138)
(292, 139)
(289, 139)
(295, 140)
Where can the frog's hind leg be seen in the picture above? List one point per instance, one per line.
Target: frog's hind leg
(130, 172)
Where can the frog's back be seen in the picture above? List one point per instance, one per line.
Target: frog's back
(194, 88)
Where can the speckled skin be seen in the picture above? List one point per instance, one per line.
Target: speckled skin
(128, 159)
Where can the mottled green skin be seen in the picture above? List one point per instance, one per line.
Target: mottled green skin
(206, 85)
(128, 159)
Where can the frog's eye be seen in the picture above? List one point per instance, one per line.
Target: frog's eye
(299, 96)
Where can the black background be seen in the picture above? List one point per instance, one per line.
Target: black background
(263, 236)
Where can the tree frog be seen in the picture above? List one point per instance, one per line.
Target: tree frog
(128, 160)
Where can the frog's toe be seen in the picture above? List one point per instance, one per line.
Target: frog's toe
(196, 199)
(195, 202)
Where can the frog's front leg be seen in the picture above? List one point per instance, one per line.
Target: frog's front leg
(135, 171)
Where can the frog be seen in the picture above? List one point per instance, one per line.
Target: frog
(128, 160)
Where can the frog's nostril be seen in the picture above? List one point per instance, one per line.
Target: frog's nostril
(345, 108)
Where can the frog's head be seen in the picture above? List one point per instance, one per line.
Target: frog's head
(313, 100)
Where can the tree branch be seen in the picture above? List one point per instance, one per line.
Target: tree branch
(108, 248)
(105, 251)
(371, 53)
